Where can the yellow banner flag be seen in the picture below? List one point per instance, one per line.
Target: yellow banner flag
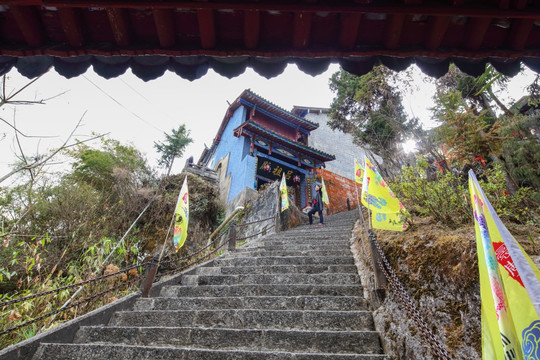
(376, 194)
(284, 194)
(358, 172)
(324, 193)
(181, 217)
(389, 221)
(509, 286)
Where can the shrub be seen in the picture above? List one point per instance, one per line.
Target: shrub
(445, 196)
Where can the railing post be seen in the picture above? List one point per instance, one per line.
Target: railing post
(380, 279)
(150, 275)
(232, 236)
(348, 205)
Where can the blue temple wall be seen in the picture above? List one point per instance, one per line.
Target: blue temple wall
(241, 166)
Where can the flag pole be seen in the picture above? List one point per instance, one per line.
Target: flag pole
(359, 208)
(367, 192)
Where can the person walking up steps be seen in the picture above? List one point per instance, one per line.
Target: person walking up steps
(316, 205)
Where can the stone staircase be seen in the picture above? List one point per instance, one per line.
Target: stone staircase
(291, 295)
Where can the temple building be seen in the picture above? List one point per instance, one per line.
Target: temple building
(258, 142)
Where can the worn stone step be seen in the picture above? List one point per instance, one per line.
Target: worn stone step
(345, 342)
(277, 269)
(344, 246)
(247, 318)
(300, 242)
(107, 352)
(254, 302)
(314, 232)
(262, 279)
(261, 290)
(280, 260)
(307, 252)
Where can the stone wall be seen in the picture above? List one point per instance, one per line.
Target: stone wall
(339, 189)
(266, 205)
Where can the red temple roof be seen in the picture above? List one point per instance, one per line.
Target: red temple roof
(251, 127)
(189, 37)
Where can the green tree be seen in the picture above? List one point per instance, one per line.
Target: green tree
(173, 146)
(369, 107)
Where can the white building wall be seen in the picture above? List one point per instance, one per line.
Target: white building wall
(336, 143)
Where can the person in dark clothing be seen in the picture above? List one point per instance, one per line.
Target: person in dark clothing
(316, 205)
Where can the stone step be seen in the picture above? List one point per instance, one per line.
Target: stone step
(300, 242)
(277, 269)
(247, 318)
(296, 247)
(345, 342)
(280, 260)
(107, 352)
(263, 279)
(307, 252)
(313, 231)
(254, 302)
(261, 290)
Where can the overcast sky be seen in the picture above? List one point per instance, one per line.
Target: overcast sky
(139, 112)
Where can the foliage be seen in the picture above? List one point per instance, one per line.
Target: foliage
(465, 132)
(63, 231)
(445, 196)
(173, 146)
(522, 152)
(369, 107)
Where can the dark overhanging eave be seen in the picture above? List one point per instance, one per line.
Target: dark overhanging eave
(149, 67)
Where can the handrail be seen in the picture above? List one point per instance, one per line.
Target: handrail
(225, 222)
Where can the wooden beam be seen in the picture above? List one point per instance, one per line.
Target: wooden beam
(348, 31)
(427, 9)
(71, 25)
(29, 23)
(503, 4)
(252, 28)
(520, 4)
(119, 20)
(207, 28)
(164, 21)
(477, 31)
(302, 29)
(394, 28)
(519, 33)
(437, 29)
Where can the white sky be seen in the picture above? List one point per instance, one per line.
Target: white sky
(139, 112)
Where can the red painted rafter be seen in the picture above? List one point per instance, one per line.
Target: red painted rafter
(393, 31)
(424, 9)
(348, 31)
(520, 4)
(207, 28)
(29, 22)
(478, 28)
(164, 21)
(437, 29)
(503, 4)
(118, 18)
(302, 30)
(252, 28)
(71, 25)
(519, 33)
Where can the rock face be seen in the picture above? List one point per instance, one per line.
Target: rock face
(291, 295)
(438, 269)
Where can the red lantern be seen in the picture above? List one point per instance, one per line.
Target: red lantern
(296, 179)
(267, 167)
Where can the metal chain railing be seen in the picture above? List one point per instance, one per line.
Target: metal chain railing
(436, 348)
(71, 305)
(80, 283)
(131, 281)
